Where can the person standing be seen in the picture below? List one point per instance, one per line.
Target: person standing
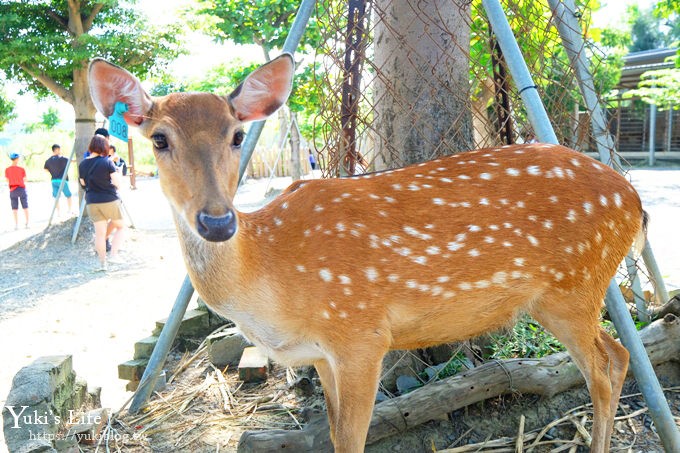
(118, 161)
(56, 166)
(100, 179)
(16, 177)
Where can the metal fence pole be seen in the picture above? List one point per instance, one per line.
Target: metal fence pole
(61, 186)
(166, 339)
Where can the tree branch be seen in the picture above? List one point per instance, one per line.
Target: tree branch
(50, 84)
(60, 20)
(87, 24)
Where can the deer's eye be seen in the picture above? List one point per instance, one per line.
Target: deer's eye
(238, 139)
(160, 142)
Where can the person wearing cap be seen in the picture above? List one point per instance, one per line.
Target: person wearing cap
(56, 166)
(16, 177)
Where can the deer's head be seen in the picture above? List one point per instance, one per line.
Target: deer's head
(196, 137)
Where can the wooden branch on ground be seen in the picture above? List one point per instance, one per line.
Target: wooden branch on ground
(547, 376)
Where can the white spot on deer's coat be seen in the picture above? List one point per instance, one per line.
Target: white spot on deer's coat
(396, 186)
(300, 268)
(486, 176)
(411, 284)
(465, 286)
(340, 226)
(533, 240)
(617, 200)
(489, 239)
(433, 250)
(553, 199)
(484, 202)
(571, 216)
(371, 274)
(569, 249)
(446, 180)
(361, 306)
(507, 244)
(404, 251)
(473, 252)
(474, 228)
(325, 275)
(392, 278)
(443, 279)
(415, 233)
(558, 172)
(499, 278)
(278, 221)
(519, 261)
(533, 170)
(481, 284)
(575, 162)
(438, 201)
(493, 227)
(520, 204)
(284, 205)
(325, 314)
(389, 199)
(422, 260)
(344, 279)
(512, 171)
(463, 177)
(588, 207)
(559, 276)
(413, 187)
(453, 246)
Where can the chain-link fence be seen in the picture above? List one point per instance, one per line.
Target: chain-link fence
(407, 80)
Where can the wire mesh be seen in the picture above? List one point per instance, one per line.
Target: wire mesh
(406, 80)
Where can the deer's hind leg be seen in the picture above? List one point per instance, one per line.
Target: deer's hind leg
(574, 320)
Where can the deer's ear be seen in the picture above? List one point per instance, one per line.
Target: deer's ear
(264, 90)
(110, 84)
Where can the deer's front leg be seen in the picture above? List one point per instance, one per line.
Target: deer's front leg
(356, 375)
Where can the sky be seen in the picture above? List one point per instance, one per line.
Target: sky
(204, 54)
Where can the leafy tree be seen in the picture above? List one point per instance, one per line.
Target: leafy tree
(669, 10)
(49, 121)
(661, 88)
(47, 47)
(6, 111)
(645, 30)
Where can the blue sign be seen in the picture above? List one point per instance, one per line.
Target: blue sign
(117, 125)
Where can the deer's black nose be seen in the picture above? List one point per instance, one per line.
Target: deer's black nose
(216, 229)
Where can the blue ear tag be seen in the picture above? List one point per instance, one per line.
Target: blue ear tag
(117, 125)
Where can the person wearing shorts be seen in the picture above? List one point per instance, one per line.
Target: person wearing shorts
(56, 166)
(100, 179)
(16, 177)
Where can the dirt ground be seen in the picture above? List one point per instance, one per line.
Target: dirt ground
(52, 303)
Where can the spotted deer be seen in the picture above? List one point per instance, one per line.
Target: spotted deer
(336, 272)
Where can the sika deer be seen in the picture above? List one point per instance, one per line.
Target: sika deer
(336, 272)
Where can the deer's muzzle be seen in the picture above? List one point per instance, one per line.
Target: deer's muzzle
(216, 229)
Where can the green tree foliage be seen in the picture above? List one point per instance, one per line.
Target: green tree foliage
(48, 121)
(47, 46)
(661, 88)
(265, 23)
(669, 12)
(7, 113)
(646, 33)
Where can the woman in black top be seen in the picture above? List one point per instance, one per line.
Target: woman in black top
(99, 178)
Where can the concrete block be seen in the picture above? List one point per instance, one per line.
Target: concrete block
(195, 324)
(226, 347)
(87, 427)
(144, 347)
(253, 366)
(132, 370)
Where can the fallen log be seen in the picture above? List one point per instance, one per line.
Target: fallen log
(547, 376)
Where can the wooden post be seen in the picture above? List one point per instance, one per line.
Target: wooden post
(131, 166)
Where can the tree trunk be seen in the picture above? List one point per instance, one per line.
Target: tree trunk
(422, 88)
(85, 115)
(295, 164)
